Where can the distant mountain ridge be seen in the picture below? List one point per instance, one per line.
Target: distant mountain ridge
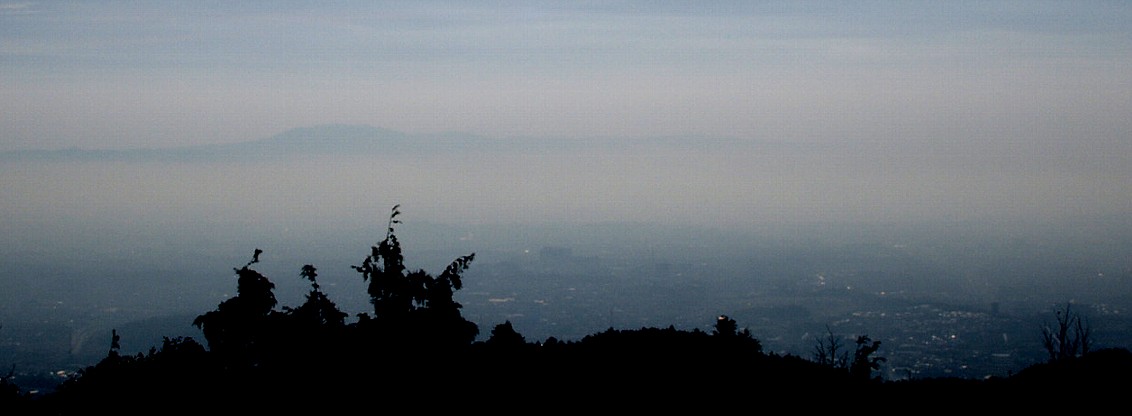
(363, 139)
(360, 139)
(325, 139)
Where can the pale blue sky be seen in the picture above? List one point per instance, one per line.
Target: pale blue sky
(119, 74)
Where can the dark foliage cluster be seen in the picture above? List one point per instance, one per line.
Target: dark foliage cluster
(415, 351)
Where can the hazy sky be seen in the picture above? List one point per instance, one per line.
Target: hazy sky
(918, 111)
(117, 74)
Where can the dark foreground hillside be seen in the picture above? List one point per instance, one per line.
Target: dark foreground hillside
(637, 370)
(416, 353)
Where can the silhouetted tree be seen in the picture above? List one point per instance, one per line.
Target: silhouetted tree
(413, 306)
(725, 326)
(115, 343)
(300, 337)
(236, 329)
(828, 351)
(729, 335)
(390, 289)
(1069, 337)
(864, 363)
(505, 336)
(318, 310)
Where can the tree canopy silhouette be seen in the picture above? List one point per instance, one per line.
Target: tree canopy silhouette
(413, 308)
(236, 329)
